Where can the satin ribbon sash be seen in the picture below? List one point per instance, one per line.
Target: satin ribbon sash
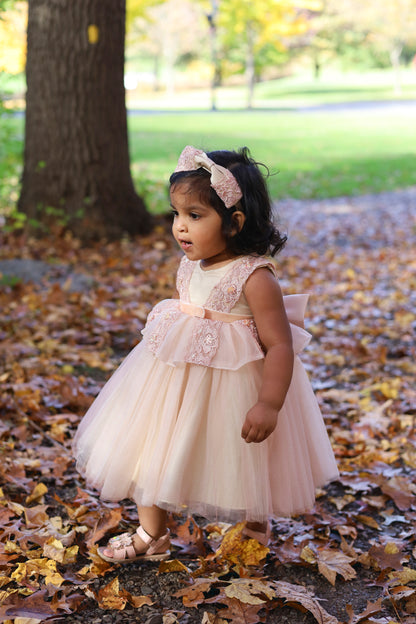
(213, 315)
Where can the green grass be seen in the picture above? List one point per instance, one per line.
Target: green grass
(311, 155)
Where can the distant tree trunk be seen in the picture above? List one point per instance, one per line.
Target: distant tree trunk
(395, 54)
(216, 73)
(76, 160)
(250, 66)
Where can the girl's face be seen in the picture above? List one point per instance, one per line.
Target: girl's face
(197, 226)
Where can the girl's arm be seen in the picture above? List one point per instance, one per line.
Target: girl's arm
(265, 299)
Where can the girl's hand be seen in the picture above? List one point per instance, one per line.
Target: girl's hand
(260, 422)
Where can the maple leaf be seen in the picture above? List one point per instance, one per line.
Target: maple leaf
(401, 490)
(330, 563)
(110, 596)
(194, 594)
(33, 606)
(190, 538)
(239, 612)
(106, 521)
(388, 556)
(298, 595)
(250, 591)
(372, 609)
(237, 549)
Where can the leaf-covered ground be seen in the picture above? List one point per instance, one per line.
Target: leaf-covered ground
(69, 315)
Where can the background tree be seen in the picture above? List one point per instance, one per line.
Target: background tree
(371, 31)
(257, 27)
(171, 33)
(76, 159)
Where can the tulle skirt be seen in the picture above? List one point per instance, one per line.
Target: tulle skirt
(171, 436)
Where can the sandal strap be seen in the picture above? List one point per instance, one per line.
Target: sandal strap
(122, 546)
(154, 546)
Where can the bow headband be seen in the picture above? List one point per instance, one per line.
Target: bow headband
(222, 180)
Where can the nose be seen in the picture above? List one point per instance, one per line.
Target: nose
(180, 223)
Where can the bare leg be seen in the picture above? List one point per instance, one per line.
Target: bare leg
(259, 531)
(261, 527)
(153, 520)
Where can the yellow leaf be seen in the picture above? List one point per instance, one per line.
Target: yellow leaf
(109, 596)
(308, 555)
(12, 547)
(93, 34)
(402, 577)
(20, 573)
(71, 554)
(37, 494)
(173, 565)
(368, 521)
(246, 552)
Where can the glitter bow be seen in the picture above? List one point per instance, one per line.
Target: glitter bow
(222, 180)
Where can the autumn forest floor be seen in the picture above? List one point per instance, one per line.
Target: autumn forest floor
(69, 315)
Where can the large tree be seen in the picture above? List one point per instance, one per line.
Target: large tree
(76, 160)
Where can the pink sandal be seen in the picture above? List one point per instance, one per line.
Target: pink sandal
(124, 551)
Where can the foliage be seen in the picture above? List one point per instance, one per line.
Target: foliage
(13, 17)
(319, 154)
(351, 559)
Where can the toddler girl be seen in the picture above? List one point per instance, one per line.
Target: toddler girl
(212, 413)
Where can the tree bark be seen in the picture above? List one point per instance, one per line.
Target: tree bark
(250, 66)
(76, 159)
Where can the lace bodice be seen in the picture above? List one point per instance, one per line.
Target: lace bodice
(204, 334)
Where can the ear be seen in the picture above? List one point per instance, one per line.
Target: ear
(238, 218)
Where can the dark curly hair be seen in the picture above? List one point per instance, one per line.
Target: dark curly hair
(259, 235)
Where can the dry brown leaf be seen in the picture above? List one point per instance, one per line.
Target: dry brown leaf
(238, 612)
(193, 594)
(110, 596)
(372, 609)
(250, 591)
(298, 595)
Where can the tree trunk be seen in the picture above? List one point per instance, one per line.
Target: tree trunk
(76, 160)
(250, 66)
(395, 54)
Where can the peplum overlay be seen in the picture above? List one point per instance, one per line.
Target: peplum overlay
(166, 428)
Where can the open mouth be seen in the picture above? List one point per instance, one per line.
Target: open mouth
(185, 244)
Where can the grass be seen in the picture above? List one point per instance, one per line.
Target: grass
(310, 154)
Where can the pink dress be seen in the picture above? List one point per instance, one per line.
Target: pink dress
(166, 428)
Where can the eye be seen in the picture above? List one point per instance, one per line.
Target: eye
(174, 213)
(195, 216)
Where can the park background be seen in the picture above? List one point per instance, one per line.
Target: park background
(322, 92)
(309, 86)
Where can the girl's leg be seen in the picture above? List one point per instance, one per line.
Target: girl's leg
(154, 522)
(259, 531)
(260, 527)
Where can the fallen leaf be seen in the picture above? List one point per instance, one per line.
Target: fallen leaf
(250, 591)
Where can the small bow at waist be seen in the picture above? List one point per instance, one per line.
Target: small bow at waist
(205, 313)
